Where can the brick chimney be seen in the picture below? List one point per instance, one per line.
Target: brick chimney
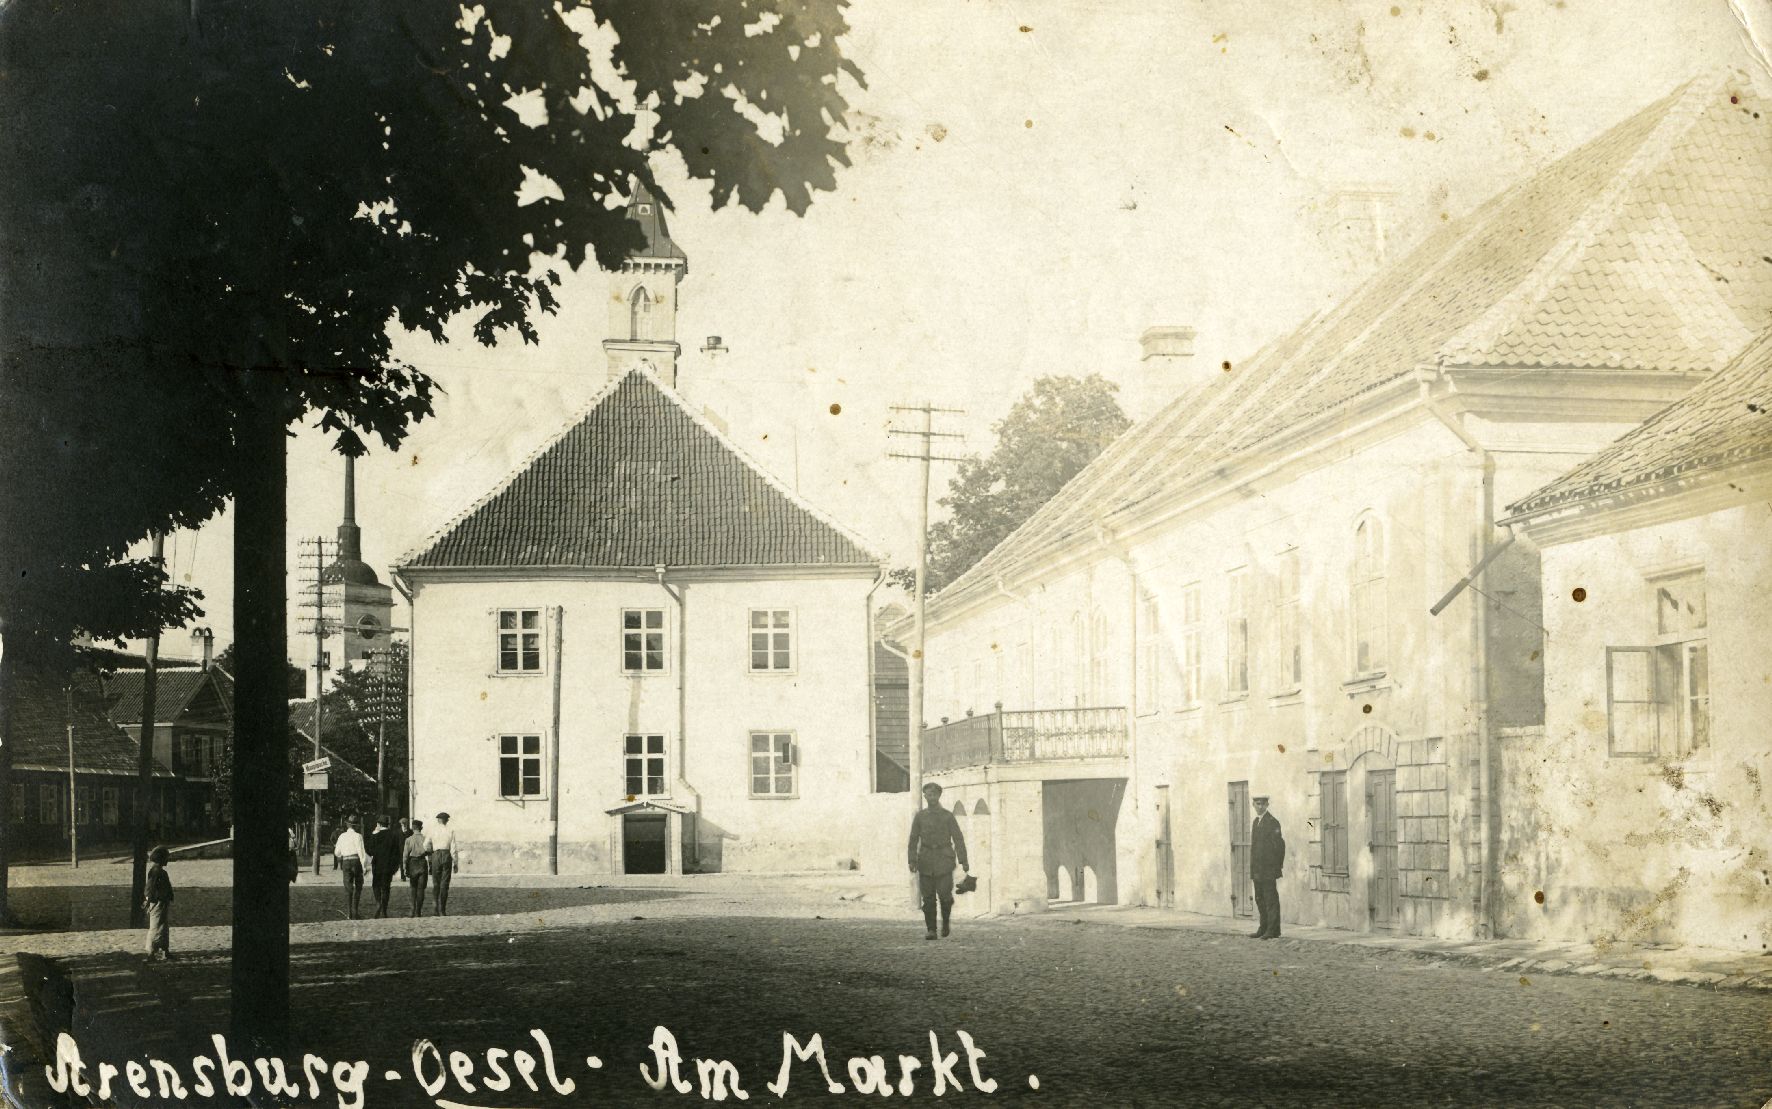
(1166, 369)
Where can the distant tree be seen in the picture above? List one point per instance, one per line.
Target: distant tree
(215, 212)
(297, 686)
(1049, 435)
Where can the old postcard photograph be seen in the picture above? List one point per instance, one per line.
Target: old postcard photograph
(1028, 552)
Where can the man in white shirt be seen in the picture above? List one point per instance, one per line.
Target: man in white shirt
(352, 856)
(443, 861)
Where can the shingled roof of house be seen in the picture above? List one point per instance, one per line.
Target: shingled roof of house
(1722, 424)
(174, 690)
(40, 732)
(640, 481)
(1644, 249)
(301, 721)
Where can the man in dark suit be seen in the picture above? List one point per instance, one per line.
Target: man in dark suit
(1267, 860)
(936, 846)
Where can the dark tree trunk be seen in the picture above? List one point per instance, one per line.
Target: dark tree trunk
(261, 723)
(144, 776)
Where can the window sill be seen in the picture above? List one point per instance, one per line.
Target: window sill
(1289, 697)
(1367, 683)
(1235, 700)
(524, 800)
(517, 674)
(775, 796)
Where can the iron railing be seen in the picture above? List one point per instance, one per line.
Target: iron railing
(1037, 735)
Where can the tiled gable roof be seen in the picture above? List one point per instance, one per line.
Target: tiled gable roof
(301, 722)
(640, 481)
(1643, 249)
(1724, 422)
(40, 732)
(174, 690)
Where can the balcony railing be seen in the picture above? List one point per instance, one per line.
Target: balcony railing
(1037, 735)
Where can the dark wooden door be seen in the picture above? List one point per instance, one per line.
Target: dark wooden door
(1242, 890)
(643, 843)
(1381, 811)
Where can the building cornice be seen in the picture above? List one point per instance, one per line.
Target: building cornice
(416, 575)
(1650, 504)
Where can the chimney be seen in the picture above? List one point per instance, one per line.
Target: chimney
(713, 346)
(1165, 370)
(207, 639)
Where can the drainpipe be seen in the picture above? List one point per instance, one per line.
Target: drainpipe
(682, 744)
(867, 613)
(554, 747)
(1479, 659)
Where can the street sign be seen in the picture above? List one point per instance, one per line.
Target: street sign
(318, 766)
(316, 780)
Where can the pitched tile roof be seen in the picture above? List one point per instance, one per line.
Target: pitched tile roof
(640, 481)
(1724, 422)
(301, 720)
(1643, 249)
(40, 732)
(174, 690)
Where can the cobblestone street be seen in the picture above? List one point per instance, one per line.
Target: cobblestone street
(1100, 1015)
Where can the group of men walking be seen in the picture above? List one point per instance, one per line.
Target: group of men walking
(420, 857)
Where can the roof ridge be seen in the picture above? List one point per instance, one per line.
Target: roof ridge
(1680, 109)
(515, 472)
(866, 546)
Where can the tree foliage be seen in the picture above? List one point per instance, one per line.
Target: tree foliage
(215, 212)
(1049, 435)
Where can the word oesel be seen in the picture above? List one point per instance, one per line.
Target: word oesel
(457, 1079)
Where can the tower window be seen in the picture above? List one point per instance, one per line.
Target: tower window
(640, 315)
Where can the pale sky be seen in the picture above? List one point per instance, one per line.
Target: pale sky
(1034, 185)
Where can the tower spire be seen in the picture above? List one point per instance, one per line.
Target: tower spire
(643, 296)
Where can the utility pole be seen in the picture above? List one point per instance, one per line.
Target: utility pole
(144, 768)
(73, 794)
(926, 436)
(317, 554)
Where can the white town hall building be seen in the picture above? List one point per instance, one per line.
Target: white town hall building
(640, 653)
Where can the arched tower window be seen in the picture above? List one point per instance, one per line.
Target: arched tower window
(1371, 618)
(640, 315)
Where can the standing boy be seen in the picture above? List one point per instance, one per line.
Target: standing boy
(158, 902)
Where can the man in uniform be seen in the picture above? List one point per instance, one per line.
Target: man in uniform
(1267, 859)
(936, 846)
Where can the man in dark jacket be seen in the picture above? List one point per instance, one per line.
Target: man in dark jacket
(1267, 860)
(936, 846)
(386, 847)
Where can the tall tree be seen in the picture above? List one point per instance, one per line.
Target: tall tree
(238, 200)
(1049, 435)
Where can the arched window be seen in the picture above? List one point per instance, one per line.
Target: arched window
(1370, 616)
(640, 315)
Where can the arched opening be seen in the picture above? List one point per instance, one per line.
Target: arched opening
(640, 315)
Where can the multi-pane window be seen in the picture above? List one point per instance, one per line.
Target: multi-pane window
(519, 640)
(49, 804)
(1658, 695)
(519, 766)
(1333, 821)
(1236, 632)
(18, 803)
(1370, 610)
(108, 804)
(1288, 644)
(643, 765)
(772, 764)
(1192, 633)
(642, 640)
(772, 639)
(1149, 654)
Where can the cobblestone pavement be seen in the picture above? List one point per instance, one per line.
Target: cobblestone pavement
(1102, 1016)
